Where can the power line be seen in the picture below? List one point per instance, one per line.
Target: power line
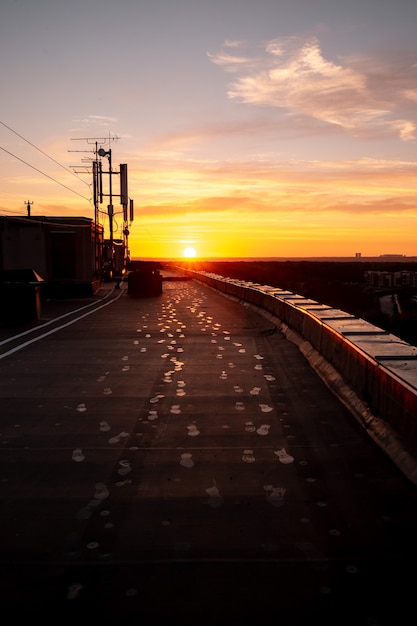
(44, 153)
(47, 175)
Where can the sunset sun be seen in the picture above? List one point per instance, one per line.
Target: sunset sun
(189, 252)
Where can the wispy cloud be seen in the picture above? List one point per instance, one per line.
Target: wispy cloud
(264, 187)
(362, 96)
(94, 121)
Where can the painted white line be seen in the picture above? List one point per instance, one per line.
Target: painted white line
(54, 330)
(32, 330)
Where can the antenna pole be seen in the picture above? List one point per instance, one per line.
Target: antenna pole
(28, 203)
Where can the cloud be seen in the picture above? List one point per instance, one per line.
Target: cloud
(230, 62)
(261, 186)
(406, 129)
(94, 121)
(362, 96)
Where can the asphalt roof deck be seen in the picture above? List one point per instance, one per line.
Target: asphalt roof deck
(175, 458)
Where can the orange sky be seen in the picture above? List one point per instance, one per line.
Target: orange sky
(249, 209)
(288, 129)
(313, 209)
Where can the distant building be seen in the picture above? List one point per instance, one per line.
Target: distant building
(391, 280)
(64, 251)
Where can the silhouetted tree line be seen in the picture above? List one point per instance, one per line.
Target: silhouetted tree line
(341, 285)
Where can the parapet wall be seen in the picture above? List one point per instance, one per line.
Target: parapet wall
(380, 368)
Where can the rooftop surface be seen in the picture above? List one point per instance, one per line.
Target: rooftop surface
(175, 459)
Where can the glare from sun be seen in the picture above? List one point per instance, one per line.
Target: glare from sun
(189, 252)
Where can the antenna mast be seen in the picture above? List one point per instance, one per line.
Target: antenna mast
(28, 204)
(98, 143)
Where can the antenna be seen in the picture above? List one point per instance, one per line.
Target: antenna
(93, 164)
(28, 204)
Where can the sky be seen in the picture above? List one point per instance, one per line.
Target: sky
(250, 128)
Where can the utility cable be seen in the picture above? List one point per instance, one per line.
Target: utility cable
(44, 153)
(47, 175)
